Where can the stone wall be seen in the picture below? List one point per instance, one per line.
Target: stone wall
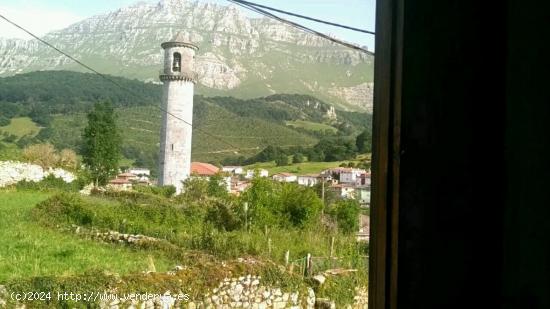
(242, 292)
(14, 172)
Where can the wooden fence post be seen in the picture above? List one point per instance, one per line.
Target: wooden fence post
(287, 257)
(308, 265)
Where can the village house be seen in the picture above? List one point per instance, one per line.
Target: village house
(309, 180)
(139, 171)
(122, 182)
(119, 184)
(127, 176)
(345, 191)
(285, 177)
(143, 174)
(362, 194)
(353, 176)
(207, 170)
(239, 186)
(260, 172)
(235, 170)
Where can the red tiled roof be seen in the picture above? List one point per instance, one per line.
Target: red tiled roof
(203, 169)
(126, 175)
(119, 181)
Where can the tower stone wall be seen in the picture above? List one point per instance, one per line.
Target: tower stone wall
(179, 79)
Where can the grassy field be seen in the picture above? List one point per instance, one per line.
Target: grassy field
(28, 249)
(21, 126)
(312, 126)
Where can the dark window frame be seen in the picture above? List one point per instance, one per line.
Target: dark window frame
(383, 263)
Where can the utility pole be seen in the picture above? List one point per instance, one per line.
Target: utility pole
(245, 206)
(323, 193)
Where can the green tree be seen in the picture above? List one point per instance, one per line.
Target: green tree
(195, 189)
(264, 205)
(101, 149)
(217, 186)
(335, 149)
(300, 205)
(298, 158)
(364, 141)
(346, 213)
(281, 160)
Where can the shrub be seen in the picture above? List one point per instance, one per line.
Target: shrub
(164, 191)
(48, 183)
(300, 205)
(297, 158)
(346, 213)
(44, 155)
(68, 159)
(223, 216)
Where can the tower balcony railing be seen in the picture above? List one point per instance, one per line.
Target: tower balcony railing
(182, 75)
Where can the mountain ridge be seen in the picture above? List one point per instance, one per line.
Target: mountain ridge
(239, 56)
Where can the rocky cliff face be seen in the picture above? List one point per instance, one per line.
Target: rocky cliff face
(238, 55)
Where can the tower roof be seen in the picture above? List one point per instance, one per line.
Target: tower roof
(179, 40)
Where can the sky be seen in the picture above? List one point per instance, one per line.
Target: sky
(42, 16)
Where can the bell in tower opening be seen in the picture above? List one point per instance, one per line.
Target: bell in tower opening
(176, 67)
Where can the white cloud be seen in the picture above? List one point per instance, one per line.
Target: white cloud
(37, 20)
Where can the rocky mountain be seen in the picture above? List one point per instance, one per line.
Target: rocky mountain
(239, 56)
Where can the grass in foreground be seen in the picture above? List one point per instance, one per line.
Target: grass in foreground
(29, 249)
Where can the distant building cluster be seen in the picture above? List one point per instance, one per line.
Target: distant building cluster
(129, 178)
(345, 182)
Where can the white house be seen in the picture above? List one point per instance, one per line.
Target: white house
(363, 195)
(260, 172)
(352, 175)
(235, 170)
(120, 184)
(142, 174)
(285, 177)
(344, 190)
(309, 180)
(139, 171)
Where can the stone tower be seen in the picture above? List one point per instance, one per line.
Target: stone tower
(179, 79)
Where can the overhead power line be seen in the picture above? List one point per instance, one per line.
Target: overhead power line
(109, 79)
(304, 17)
(299, 26)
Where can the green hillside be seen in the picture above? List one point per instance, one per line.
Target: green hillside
(224, 126)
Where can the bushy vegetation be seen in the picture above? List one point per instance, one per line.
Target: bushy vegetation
(205, 217)
(346, 212)
(48, 184)
(204, 222)
(47, 156)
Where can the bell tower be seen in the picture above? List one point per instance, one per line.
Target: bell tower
(179, 79)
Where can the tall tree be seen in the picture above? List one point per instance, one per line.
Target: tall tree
(102, 143)
(364, 141)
